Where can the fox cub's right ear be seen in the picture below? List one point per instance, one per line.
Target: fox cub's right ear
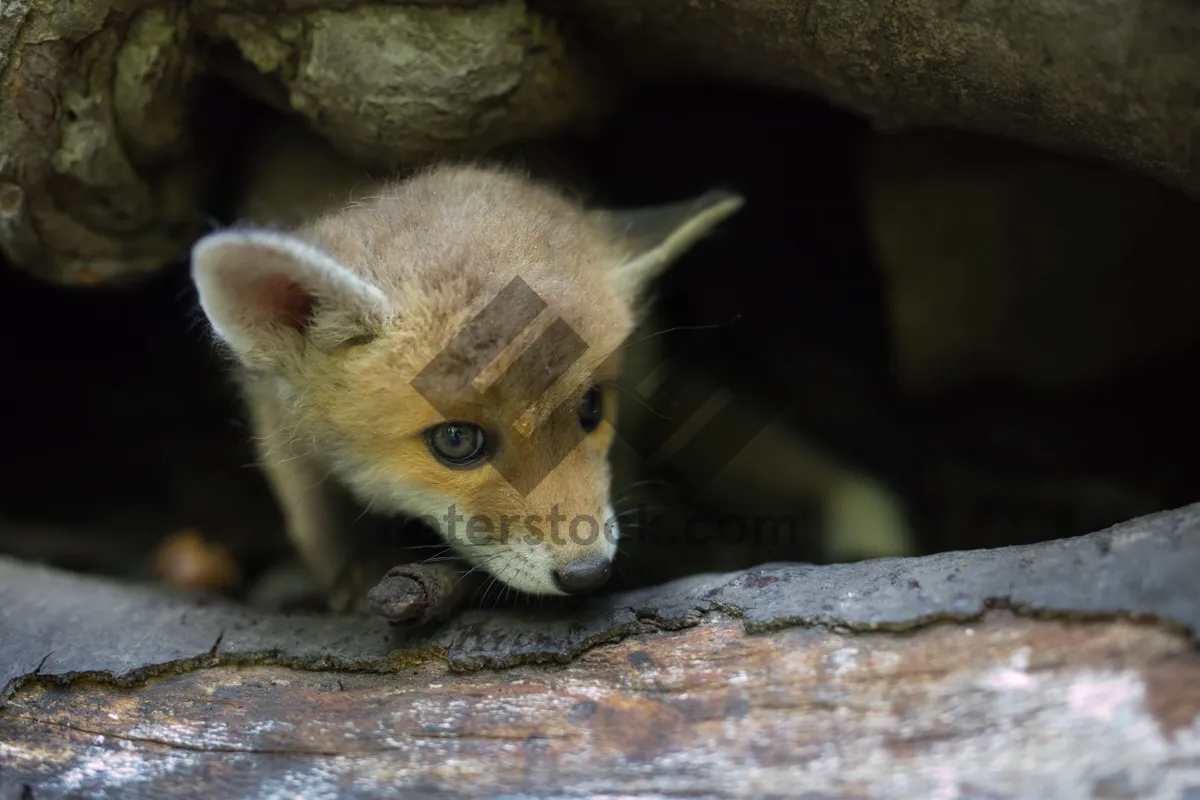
(267, 293)
(658, 236)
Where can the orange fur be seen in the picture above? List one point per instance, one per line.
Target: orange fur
(390, 281)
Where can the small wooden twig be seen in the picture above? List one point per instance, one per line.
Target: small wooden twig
(413, 594)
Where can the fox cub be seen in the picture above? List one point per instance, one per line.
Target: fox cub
(446, 350)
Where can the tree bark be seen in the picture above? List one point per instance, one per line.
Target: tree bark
(106, 166)
(1111, 80)
(1064, 670)
(104, 176)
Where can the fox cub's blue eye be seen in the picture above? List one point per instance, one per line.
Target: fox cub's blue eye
(457, 443)
(591, 409)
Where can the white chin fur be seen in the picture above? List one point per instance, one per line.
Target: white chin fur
(612, 533)
(526, 568)
(529, 567)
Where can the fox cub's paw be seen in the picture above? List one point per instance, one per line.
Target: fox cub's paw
(864, 519)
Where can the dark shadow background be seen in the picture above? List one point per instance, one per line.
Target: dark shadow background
(123, 429)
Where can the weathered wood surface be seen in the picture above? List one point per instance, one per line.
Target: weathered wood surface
(1061, 670)
(1114, 80)
(106, 159)
(1004, 707)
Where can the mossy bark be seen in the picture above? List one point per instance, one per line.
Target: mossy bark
(105, 175)
(102, 178)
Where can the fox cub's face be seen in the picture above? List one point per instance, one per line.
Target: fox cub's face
(448, 349)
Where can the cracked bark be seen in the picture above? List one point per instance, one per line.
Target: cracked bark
(1066, 669)
(709, 711)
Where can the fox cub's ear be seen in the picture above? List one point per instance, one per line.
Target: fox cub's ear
(265, 293)
(661, 234)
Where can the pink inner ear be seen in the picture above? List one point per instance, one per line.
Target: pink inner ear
(286, 300)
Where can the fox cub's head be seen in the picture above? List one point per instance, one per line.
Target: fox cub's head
(448, 348)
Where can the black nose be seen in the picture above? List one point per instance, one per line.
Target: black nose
(584, 575)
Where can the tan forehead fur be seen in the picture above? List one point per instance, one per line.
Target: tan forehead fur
(441, 246)
(444, 243)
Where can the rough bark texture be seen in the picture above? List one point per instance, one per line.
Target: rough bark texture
(105, 174)
(101, 179)
(1116, 80)
(1007, 707)
(881, 679)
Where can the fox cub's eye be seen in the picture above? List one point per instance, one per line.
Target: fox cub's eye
(591, 409)
(457, 443)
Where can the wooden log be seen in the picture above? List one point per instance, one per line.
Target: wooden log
(107, 158)
(103, 167)
(1109, 80)
(1004, 707)
(1060, 670)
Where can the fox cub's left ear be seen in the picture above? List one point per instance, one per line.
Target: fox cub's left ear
(659, 235)
(267, 294)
